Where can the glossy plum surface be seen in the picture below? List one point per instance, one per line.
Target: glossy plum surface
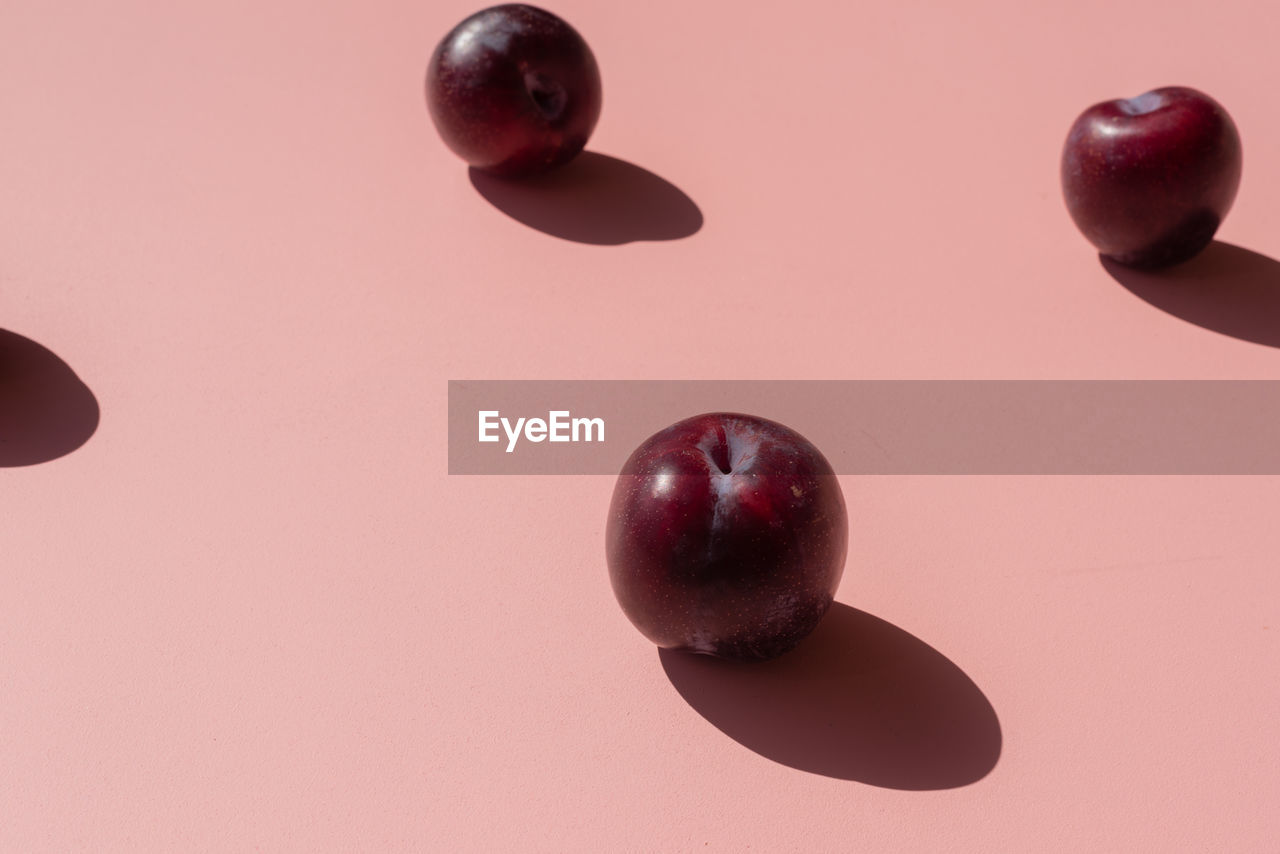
(514, 90)
(1149, 179)
(726, 535)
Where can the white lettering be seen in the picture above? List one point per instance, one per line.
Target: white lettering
(587, 424)
(512, 435)
(558, 425)
(488, 423)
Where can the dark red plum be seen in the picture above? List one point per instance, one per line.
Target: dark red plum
(727, 536)
(1149, 179)
(514, 90)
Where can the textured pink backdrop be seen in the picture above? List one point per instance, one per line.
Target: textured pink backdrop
(252, 612)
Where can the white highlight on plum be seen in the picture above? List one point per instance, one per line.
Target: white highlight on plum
(702, 642)
(558, 426)
(476, 32)
(723, 485)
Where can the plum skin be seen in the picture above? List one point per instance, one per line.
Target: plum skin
(514, 90)
(1148, 180)
(726, 535)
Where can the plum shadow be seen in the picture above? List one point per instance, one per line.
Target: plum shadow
(859, 699)
(1225, 288)
(594, 199)
(46, 411)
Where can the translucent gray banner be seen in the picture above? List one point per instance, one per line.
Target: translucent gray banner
(952, 427)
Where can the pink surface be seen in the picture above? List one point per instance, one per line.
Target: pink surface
(252, 612)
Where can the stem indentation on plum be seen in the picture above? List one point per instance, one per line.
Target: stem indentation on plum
(1140, 105)
(548, 95)
(720, 451)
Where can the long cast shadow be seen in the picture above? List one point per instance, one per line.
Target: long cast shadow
(594, 199)
(46, 411)
(860, 699)
(1225, 288)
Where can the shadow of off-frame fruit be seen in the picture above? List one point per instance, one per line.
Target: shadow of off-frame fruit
(46, 411)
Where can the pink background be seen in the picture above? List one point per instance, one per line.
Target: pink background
(252, 612)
